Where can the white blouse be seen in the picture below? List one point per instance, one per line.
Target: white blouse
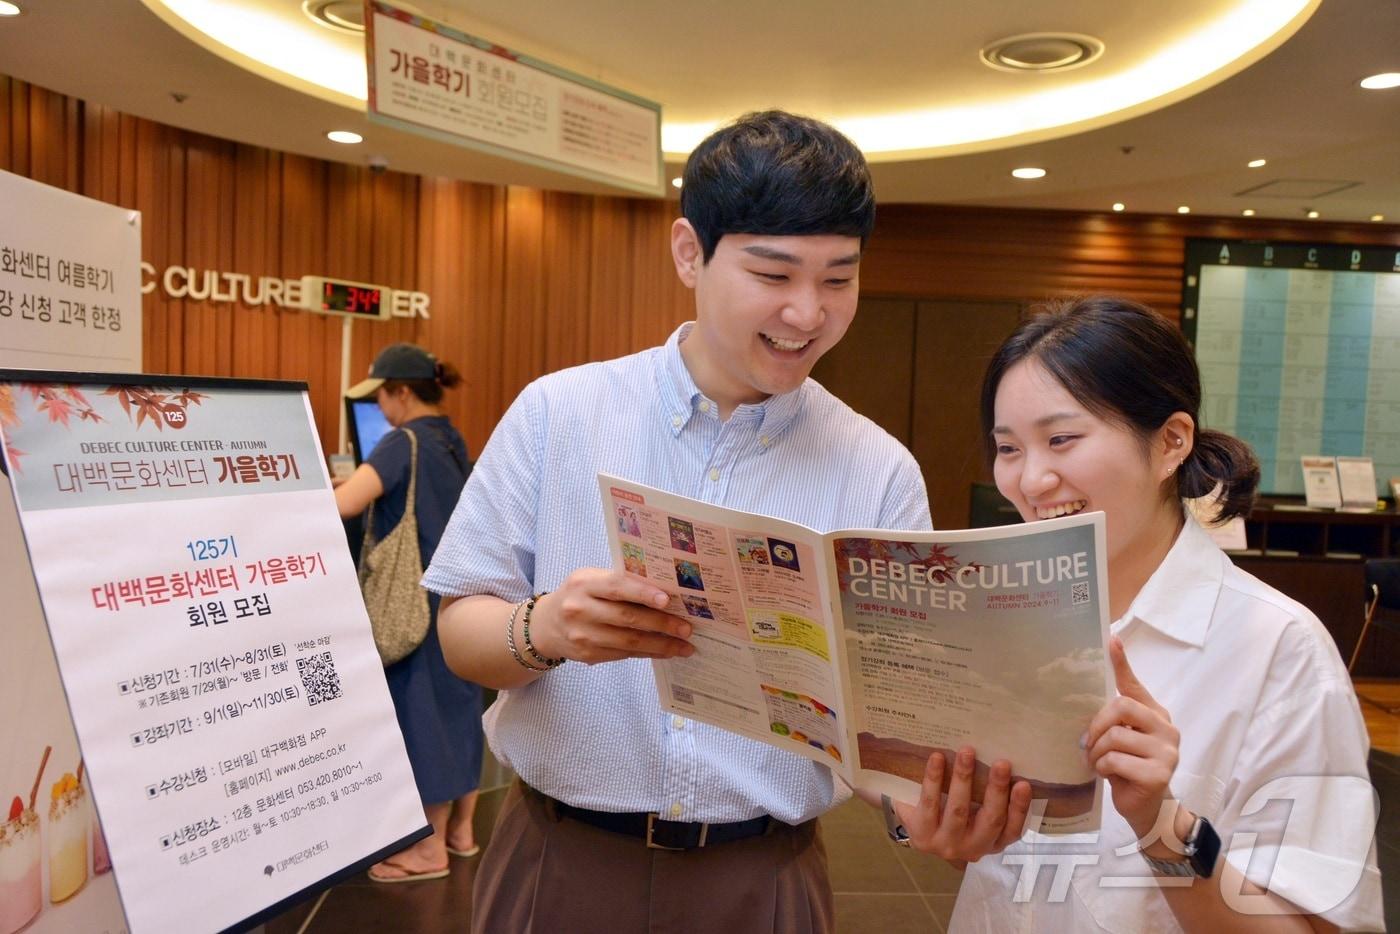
(1273, 754)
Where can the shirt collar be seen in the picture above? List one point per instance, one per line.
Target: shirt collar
(680, 398)
(1180, 596)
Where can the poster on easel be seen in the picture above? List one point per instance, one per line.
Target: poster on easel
(236, 731)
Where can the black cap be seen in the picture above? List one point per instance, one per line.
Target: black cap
(397, 361)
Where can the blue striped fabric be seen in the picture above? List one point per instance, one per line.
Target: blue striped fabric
(595, 736)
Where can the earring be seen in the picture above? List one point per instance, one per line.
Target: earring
(1171, 470)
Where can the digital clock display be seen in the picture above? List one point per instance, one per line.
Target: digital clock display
(350, 299)
(342, 297)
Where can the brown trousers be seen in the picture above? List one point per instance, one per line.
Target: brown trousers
(543, 875)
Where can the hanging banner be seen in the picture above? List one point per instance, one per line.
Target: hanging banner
(238, 738)
(429, 78)
(70, 280)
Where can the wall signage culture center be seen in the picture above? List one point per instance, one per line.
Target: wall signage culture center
(213, 285)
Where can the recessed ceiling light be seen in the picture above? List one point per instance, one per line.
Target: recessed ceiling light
(344, 136)
(1041, 51)
(1313, 215)
(343, 15)
(8, 9)
(677, 182)
(1258, 163)
(1377, 217)
(1119, 206)
(1388, 79)
(1028, 172)
(1183, 210)
(1248, 212)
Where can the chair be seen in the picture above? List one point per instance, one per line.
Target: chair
(1382, 592)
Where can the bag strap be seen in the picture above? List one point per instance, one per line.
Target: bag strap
(368, 541)
(412, 471)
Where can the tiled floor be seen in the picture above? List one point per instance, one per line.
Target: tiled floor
(879, 887)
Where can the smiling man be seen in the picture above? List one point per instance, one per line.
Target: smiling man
(626, 819)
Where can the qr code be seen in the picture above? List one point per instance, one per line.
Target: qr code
(1079, 594)
(319, 677)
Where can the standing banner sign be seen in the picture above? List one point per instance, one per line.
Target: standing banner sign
(234, 720)
(70, 280)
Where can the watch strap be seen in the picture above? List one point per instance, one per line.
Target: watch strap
(1202, 849)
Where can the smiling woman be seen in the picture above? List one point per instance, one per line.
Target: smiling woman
(1228, 690)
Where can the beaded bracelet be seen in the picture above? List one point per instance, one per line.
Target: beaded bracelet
(510, 640)
(530, 649)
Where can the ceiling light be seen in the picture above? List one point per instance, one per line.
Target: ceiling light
(1183, 210)
(320, 61)
(1119, 206)
(313, 58)
(677, 182)
(1258, 163)
(1313, 215)
(1028, 172)
(344, 136)
(1388, 79)
(1041, 51)
(342, 15)
(8, 9)
(1248, 212)
(1377, 217)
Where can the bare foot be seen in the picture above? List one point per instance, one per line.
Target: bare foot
(461, 841)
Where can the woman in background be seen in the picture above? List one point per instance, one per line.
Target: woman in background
(439, 713)
(1236, 731)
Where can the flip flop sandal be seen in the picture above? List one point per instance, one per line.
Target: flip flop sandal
(409, 876)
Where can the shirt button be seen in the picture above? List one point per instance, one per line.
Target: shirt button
(678, 722)
(676, 809)
(765, 441)
(714, 473)
(705, 405)
(676, 421)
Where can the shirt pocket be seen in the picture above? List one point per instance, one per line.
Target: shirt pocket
(1120, 893)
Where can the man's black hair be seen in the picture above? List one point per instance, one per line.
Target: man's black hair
(778, 174)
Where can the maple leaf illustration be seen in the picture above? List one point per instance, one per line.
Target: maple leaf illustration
(123, 395)
(147, 403)
(60, 410)
(8, 415)
(15, 454)
(90, 415)
(77, 396)
(190, 397)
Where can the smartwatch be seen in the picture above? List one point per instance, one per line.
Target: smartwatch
(1201, 848)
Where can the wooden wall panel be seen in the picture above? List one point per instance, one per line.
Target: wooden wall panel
(988, 254)
(522, 281)
(946, 434)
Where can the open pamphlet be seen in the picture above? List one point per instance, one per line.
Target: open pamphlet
(867, 651)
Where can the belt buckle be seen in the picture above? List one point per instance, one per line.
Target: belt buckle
(651, 828)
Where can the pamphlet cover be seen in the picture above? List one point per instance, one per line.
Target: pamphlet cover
(869, 650)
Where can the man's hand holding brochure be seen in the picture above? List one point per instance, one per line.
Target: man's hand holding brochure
(868, 651)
